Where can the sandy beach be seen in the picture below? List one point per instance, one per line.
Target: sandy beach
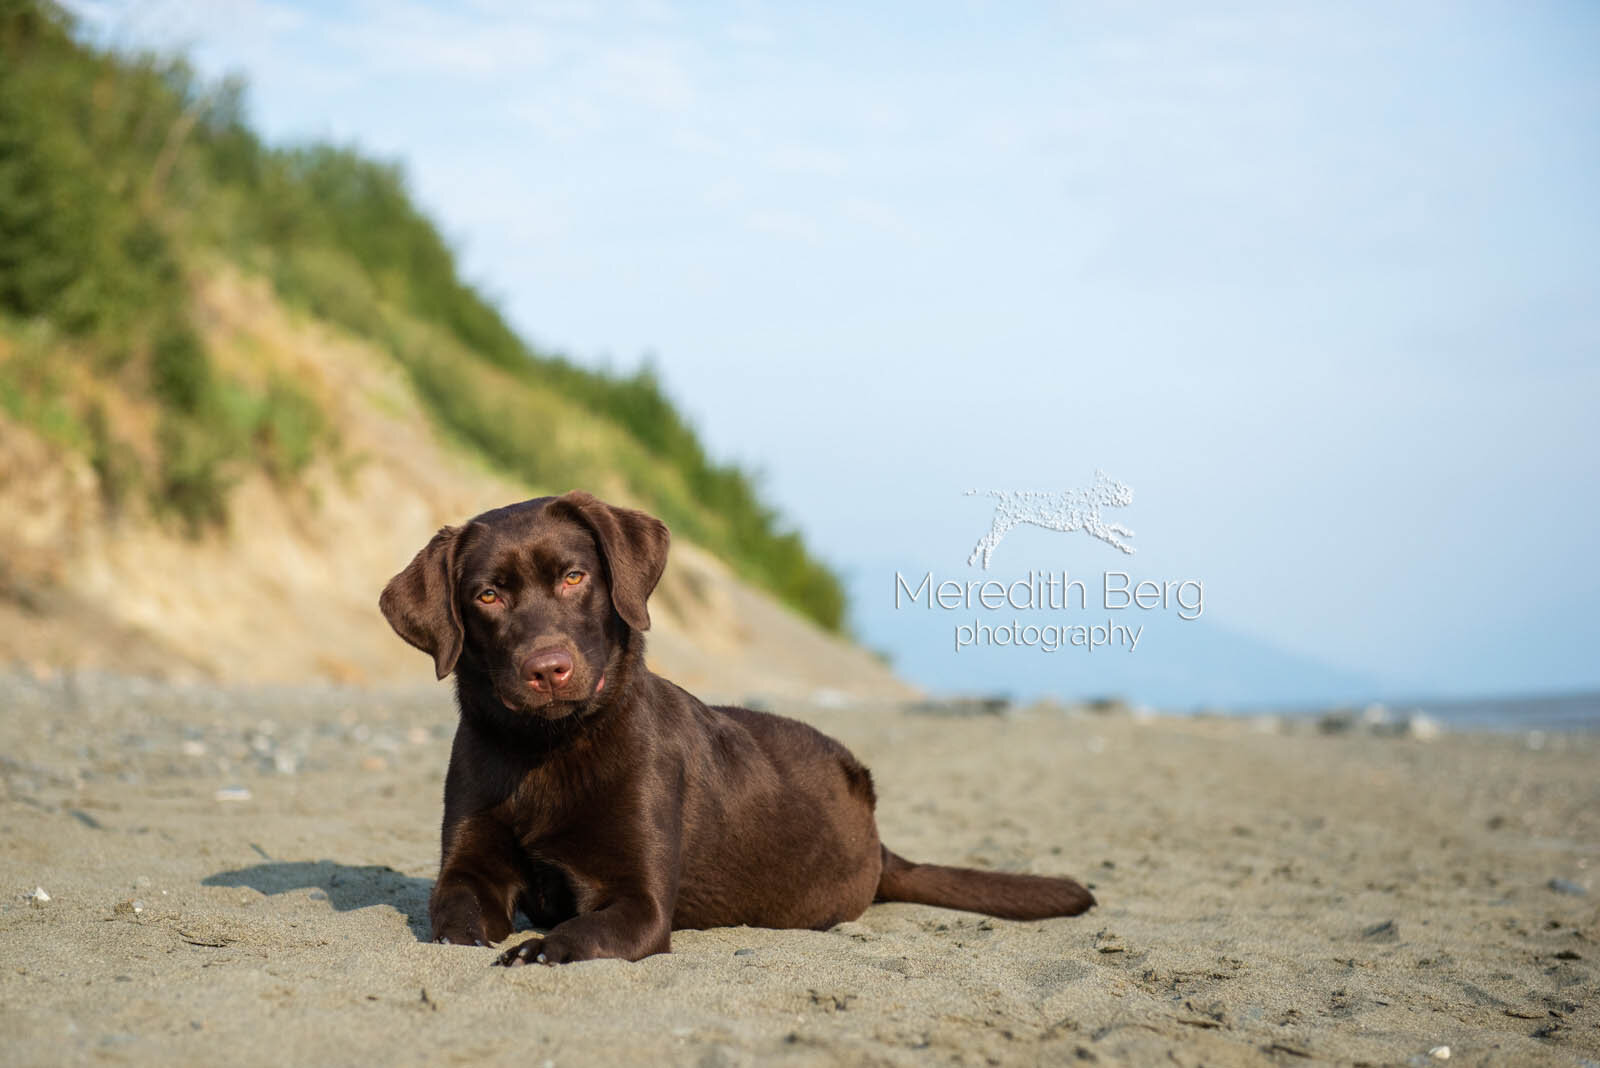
(241, 876)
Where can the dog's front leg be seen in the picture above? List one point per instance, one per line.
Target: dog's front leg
(625, 880)
(1115, 529)
(479, 883)
(1107, 532)
(630, 928)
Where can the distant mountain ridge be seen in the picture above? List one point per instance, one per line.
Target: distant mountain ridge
(1177, 665)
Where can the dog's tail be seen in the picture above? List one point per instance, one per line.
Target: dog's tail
(1002, 894)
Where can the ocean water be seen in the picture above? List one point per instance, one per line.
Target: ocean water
(1570, 712)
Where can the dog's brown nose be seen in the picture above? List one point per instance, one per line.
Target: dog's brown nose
(547, 669)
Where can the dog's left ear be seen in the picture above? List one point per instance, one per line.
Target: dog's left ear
(634, 545)
(420, 602)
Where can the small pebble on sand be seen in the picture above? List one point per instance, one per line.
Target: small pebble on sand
(1425, 729)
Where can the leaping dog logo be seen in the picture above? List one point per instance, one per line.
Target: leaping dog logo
(1065, 511)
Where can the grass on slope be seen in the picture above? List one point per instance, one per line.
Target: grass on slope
(116, 170)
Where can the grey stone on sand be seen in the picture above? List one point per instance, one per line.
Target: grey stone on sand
(959, 706)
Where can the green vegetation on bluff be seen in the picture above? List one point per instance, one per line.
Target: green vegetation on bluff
(119, 174)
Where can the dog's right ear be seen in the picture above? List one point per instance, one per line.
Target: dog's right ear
(420, 602)
(634, 546)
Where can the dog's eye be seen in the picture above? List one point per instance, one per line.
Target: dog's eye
(574, 577)
(488, 597)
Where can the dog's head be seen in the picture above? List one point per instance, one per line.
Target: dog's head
(1108, 490)
(537, 600)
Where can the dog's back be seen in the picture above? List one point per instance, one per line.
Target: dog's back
(820, 769)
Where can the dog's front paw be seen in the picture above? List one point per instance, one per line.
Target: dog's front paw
(458, 935)
(555, 949)
(529, 952)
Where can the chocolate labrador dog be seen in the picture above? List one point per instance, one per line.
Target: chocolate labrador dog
(603, 802)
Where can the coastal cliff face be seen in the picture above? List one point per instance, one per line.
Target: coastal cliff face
(287, 589)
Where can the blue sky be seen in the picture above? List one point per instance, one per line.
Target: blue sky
(1318, 282)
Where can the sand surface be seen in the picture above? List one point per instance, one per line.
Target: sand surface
(1268, 896)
